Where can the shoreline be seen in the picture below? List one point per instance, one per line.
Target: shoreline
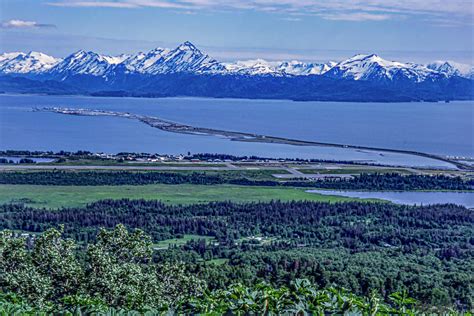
(174, 127)
(440, 101)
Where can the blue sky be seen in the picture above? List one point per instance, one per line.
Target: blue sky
(407, 30)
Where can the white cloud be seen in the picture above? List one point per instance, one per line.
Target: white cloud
(291, 19)
(348, 10)
(20, 24)
(358, 16)
(98, 4)
(123, 4)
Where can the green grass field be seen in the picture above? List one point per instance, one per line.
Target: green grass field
(253, 174)
(165, 244)
(219, 261)
(63, 196)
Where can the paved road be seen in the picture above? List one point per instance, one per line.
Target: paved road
(295, 173)
(292, 172)
(278, 168)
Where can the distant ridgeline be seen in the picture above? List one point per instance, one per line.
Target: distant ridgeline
(186, 71)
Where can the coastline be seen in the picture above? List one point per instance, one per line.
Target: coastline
(174, 127)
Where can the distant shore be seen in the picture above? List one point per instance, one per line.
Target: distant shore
(238, 136)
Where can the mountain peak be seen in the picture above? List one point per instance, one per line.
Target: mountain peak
(373, 67)
(373, 56)
(157, 50)
(21, 63)
(365, 57)
(83, 63)
(187, 46)
(79, 52)
(452, 68)
(33, 53)
(298, 68)
(11, 55)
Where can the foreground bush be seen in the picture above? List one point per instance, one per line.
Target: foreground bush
(116, 276)
(114, 271)
(301, 298)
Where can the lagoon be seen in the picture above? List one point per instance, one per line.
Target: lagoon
(408, 197)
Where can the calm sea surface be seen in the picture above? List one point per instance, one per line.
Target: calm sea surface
(411, 198)
(439, 128)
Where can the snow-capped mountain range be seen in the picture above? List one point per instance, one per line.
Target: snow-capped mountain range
(186, 71)
(186, 58)
(21, 63)
(452, 68)
(374, 68)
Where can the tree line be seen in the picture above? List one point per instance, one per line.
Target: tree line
(352, 225)
(386, 181)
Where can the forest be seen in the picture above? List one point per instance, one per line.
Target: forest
(117, 274)
(386, 181)
(147, 256)
(426, 251)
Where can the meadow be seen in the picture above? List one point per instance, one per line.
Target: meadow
(50, 196)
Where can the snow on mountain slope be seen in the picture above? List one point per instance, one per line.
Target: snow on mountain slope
(285, 68)
(8, 56)
(374, 68)
(131, 64)
(115, 60)
(297, 68)
(451, 68)
(185, 58)
(21, 63)
(143, 63)
(83, 63)
(253, 67)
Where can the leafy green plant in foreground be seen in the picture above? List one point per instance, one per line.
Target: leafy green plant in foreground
(116, 276)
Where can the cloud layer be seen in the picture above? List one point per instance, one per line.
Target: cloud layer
(20, 24)
(341, 10)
